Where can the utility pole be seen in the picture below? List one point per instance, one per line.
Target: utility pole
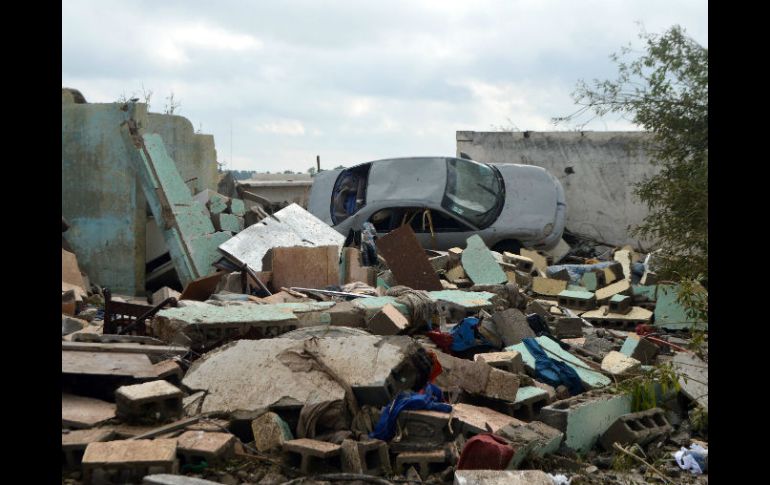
(318, 163)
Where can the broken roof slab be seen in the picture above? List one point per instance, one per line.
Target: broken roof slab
(290, 226)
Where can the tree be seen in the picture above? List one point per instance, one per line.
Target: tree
(172, 105)
(665, 91)
(311, 171)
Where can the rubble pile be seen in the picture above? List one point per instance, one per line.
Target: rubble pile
(293, 358)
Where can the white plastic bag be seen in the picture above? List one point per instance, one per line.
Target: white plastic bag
(693, 459)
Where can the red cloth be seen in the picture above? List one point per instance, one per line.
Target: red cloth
(436, 369)
(644, 329)
(442, 340)
(485, 452)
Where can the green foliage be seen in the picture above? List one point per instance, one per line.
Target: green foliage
(699, 419)
(641, 388)
(665, 91)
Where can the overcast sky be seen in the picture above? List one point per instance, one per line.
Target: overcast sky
(354, 81)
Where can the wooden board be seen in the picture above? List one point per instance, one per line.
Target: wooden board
(106, 364)
(84, 412)
(70, 272)
(202, 288)
(125, 348)
(306, 267)
(407, 260)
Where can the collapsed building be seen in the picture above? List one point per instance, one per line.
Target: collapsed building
(284, 356)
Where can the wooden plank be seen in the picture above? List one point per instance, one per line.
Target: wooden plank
(308, 267)
(182, 423)
(107, 364)
(84, 412)
(202, 288)
(126, 348)
(407, 260)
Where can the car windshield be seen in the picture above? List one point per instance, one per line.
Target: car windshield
(474, 191)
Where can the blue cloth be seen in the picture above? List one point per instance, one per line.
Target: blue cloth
(551, 371)
(430, 400)
(576, 270)
(463, 336)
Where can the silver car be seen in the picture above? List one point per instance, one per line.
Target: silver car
(445, 200)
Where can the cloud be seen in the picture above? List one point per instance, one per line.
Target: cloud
(355, 81)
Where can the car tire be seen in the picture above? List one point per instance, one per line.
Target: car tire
(509, 245)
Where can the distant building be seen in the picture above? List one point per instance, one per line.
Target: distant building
(278, 188)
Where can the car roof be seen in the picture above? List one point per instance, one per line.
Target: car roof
(422, 178)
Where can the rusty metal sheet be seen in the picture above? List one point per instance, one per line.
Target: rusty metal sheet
(407, 260)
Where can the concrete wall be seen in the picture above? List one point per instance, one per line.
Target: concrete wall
(600, 201)
(101, 200)
(101, 196)
(194, 154)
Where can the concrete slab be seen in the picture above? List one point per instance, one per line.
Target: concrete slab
(512, 326)
(290, 226)
(640, 349)
(479, 264)
(137, 366)
(246, 377)
(590, 378)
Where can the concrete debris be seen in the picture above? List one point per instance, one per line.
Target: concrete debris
(292, 342)
(375, 368)
(479, 263)
(289, 227)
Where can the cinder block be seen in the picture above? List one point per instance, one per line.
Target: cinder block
(578, 300)
(535, 439)
(585, 417)
(155, 400)
(422, 431)
(502, 385)
(75, 442)
(529, 401)
(270, 432)
(522, 263)
(512, 326)
(426, 462)
(620, 304)
(387, 321)
(642, 427)
(507, 361)
(568, 327)
(127, 461)
(640, 349)
(313, 455)
(196, 446)
(164, 293)
(365, 457)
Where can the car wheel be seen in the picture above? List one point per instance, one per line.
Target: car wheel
(509, 245)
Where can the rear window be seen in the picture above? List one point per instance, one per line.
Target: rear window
(349, 193)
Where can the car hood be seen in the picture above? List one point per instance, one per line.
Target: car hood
(531, 198)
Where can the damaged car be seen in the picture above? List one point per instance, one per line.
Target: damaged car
(445, 200)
